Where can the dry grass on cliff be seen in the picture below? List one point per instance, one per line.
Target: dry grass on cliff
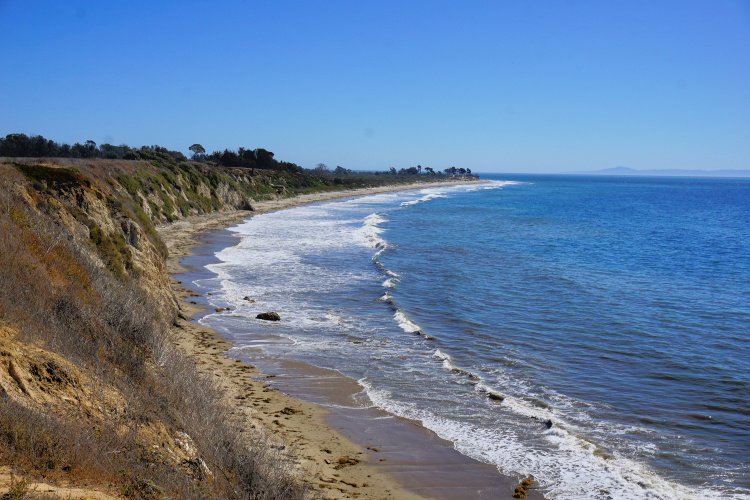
(56, 293)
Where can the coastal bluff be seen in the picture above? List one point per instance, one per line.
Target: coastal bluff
(96, 397)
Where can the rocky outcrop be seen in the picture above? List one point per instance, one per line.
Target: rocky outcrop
(523, 487)
(269, 316)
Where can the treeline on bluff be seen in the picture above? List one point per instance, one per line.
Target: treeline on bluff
(37, 146)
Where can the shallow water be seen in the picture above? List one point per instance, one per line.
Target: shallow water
(615, 309)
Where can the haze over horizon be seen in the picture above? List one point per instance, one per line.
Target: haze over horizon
(558, 87)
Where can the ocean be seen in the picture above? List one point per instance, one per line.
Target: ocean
(592, 331)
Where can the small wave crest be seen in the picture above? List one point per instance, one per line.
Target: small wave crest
(492, 394)
(369, 234)
(407, 325)
(386, 297)
(451, 367)
(390, 283)
(426, 197)
(537, 410)
(494, 185)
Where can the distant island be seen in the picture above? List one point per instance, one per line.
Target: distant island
(672, 172)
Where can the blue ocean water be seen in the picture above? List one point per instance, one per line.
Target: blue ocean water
(616, 309)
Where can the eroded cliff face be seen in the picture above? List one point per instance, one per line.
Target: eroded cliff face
(47, 382)
(168, 193)
(95, 217)
(110, 208)
(91, 386)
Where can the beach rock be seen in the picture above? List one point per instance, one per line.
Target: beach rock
(548, 424)
(346, 461)
(523, 487)
(269, 316)
(247, 298)
(494, 396)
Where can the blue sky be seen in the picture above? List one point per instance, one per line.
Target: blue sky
(491, 85)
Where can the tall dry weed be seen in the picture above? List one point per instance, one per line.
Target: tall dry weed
(56, 291)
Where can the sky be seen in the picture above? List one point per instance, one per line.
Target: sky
(496, 86)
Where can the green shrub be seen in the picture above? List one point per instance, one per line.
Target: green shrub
(113, 250)
(56, 177)
(131, 184)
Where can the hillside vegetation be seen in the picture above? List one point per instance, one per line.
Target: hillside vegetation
(93, 390)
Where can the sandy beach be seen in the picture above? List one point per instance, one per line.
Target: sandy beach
(341, 455)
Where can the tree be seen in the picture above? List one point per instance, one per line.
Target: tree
(112, 152)
(229, 159)
(199, 152)
(264, 158)
(429, 170)
(321, 168)
(91, 151)
(247, 156)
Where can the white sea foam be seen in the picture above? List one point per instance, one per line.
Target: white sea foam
(335, 318)
(446, 359)
(405, 323)
(369, 234)
(451, 367)
(429, 194)
(427, 197)
(558, 473)
(441, 355)
(390, 283)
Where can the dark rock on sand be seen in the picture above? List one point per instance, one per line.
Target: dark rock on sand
(346, 461)
(269, 316)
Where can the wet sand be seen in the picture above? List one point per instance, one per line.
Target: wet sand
(344, 446)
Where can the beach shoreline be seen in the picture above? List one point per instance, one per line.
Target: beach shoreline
(338, 453)
(181, 235)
